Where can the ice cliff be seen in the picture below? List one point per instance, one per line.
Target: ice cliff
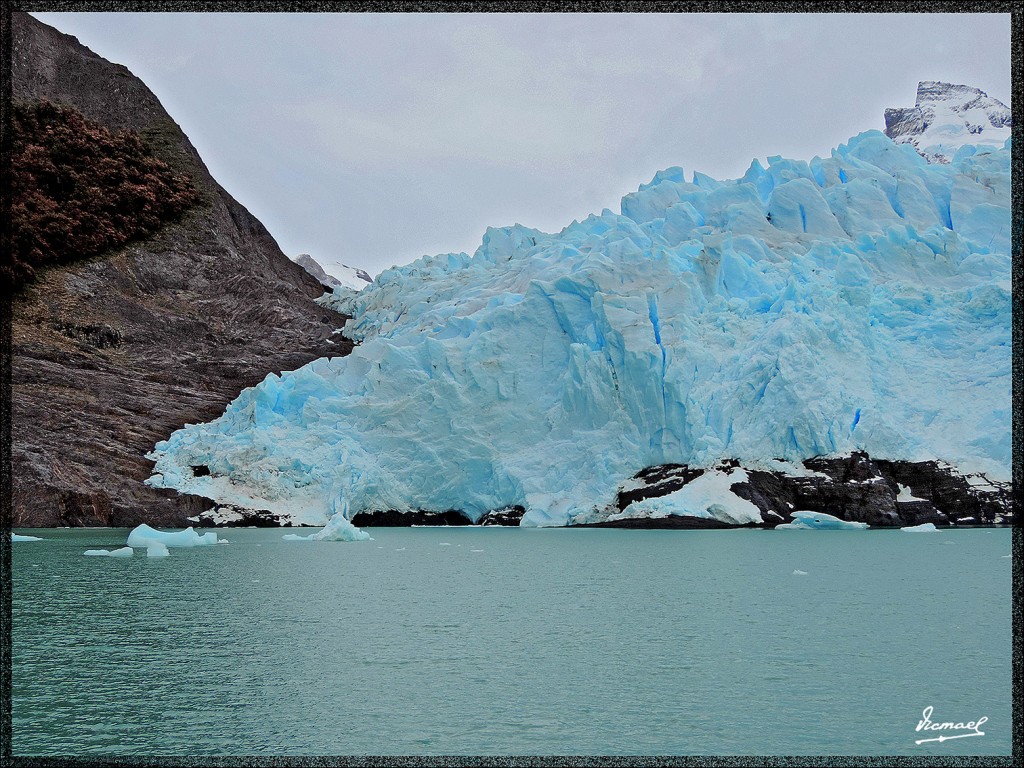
(859, 302)
(947, 117)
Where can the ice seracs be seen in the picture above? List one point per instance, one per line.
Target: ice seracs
(947, 117)
(859, 302)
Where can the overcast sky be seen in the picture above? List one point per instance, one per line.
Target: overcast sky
(373, 139)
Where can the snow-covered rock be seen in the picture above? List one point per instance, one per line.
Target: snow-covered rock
(708, 496)
(948, 117)
(859, 302)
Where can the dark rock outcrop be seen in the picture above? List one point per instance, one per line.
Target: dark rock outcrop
(112, 354)
(504, 516)
(393, 518)
(230, 516)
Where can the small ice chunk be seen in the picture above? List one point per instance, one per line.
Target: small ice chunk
(923, 528)
(157, 549)
(338, 528)
(223, 541)
(798, 572)
(819, 521)
(142, 535)
(20, 537)
(122, 552)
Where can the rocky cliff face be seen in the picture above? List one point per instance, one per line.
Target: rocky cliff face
(112, 354)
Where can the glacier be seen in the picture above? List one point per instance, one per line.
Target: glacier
(859, 302)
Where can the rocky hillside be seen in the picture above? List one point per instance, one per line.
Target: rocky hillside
(114, 353)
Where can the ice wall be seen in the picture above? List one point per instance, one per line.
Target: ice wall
(857, 302)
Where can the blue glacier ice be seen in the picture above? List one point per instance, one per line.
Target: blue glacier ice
(855, 302)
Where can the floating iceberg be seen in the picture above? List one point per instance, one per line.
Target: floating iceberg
(144, 536)
(923, 528)
(157, 549)
(859, 302)
(21, 537)
(818, 521)
(122, 552)
(338, 528)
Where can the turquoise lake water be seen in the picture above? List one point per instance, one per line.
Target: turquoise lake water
(513, 641)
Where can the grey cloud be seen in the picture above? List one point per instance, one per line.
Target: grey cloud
(374, 139)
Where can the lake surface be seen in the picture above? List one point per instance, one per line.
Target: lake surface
(513, 641)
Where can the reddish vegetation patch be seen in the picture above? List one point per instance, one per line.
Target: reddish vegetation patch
(80, 189)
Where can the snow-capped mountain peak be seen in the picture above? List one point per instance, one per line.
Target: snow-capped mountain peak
(947, 117)
(340, 274)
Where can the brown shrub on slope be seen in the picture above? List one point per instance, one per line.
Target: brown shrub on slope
(80, 189)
